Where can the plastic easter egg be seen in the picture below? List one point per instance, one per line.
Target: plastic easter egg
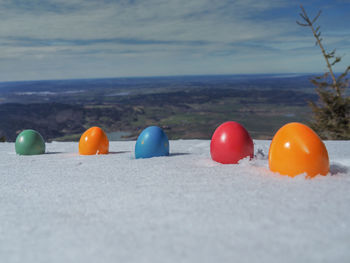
(93, 141)
(230, 143)
(297, 149)
(152, 142)
(29, 142)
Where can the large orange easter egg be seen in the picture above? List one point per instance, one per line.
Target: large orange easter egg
(93, 141)
(297, 149)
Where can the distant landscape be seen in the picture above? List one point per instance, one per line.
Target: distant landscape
(185, 107)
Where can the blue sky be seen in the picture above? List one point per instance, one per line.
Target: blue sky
(62, 39)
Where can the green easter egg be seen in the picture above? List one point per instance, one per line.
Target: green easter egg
(30, 142)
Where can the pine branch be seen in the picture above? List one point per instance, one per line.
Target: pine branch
(342, 76)
(318, 40)
(331, 114)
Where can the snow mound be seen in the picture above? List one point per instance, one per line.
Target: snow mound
(62, 207)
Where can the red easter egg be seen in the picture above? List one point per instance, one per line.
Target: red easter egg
(230, 143)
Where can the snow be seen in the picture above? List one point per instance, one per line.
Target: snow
(62, 207)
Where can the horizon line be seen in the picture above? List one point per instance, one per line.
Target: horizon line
(169, 76)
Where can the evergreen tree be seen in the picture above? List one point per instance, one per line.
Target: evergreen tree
(331, 114)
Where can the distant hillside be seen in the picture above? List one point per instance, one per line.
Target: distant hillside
(186, 107)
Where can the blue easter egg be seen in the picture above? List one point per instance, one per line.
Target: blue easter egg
(152, 142)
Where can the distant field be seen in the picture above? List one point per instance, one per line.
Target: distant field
(186, 107)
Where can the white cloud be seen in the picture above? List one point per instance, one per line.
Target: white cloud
(173, 20)
(189, 35)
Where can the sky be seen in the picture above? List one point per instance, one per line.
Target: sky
(65, 39)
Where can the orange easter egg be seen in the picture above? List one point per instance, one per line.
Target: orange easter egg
(297, 149)
(93, 141)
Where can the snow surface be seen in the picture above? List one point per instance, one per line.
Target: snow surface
(62, 207)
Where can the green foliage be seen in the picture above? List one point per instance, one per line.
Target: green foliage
(2, 139)
(331, 114)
